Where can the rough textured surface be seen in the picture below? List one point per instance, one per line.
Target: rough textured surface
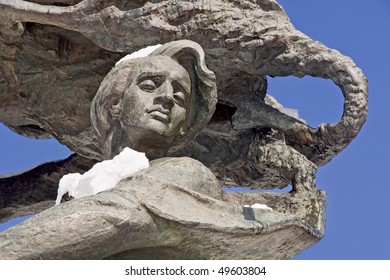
(136, 221)
(72, 45)
(34, 190)
(252, 37)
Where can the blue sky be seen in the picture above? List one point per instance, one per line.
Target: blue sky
(356, 180)
(358, 223)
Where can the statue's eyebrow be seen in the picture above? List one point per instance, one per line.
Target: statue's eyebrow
(150, 75)
(183, 86)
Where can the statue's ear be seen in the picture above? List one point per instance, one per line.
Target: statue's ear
(105, 109)
(110, 104)
(112, 114)
(115, 110)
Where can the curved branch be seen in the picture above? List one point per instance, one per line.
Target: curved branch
(252, 37)
(92, 19)
(307, 57)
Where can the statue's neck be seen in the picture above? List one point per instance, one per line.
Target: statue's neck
(152, 144)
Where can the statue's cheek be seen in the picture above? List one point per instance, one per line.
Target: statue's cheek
(179, 114)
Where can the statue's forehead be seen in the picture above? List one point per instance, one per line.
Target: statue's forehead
(161, 65)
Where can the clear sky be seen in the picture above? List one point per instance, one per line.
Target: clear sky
(358, 223)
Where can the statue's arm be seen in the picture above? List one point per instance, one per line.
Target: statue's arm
(35, 190)
(88, 228)
(105, 224)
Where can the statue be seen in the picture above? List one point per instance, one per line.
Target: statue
(151, 104)
(170, 99)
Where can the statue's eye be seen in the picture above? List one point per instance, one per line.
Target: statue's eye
(179, 97)
(147, 85)
(179, 93)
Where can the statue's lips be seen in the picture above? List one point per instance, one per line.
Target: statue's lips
(160, 114)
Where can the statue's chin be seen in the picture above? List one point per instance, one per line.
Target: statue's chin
(160, 126)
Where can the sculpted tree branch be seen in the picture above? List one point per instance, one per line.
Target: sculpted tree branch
(256, 38)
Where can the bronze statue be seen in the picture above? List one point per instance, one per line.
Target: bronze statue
(163, 105)
(152, 104)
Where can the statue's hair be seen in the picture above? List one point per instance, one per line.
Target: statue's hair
(203, 91)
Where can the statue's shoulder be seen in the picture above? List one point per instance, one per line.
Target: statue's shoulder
(182, 171)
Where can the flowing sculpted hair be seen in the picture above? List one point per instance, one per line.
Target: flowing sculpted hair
(188, 54)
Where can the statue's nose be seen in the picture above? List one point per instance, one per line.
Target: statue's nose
(165, 96)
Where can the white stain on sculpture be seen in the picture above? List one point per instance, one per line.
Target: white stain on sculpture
(292, 113)
(103, 175)
(141, 53)
(259, 206)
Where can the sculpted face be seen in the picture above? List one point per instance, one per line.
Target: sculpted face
(156, 102)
